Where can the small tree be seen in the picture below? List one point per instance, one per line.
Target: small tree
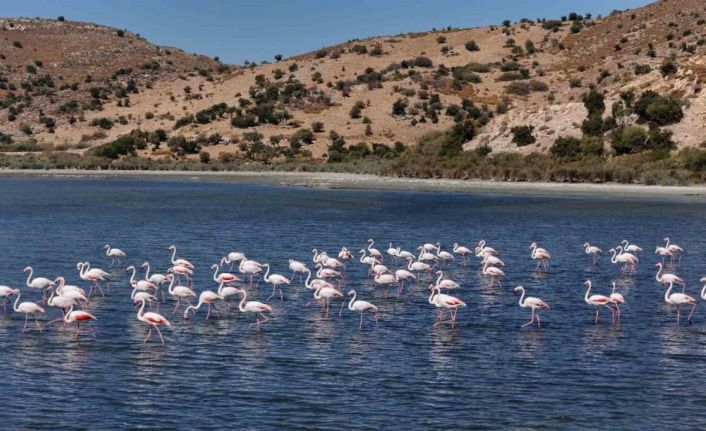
(566, 147)
(522, 135)
(399, 107)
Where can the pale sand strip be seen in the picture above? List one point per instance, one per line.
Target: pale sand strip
(373, 182)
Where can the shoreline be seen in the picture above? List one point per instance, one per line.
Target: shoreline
(348, 181)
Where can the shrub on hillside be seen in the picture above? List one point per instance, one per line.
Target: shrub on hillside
(472, 46)
(661, 110)
(566, 147)
(519, 88)
(523, 135)
(422, 61)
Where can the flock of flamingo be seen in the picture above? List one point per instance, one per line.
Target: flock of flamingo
(326, 281)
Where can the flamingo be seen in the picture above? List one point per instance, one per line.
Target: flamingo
(482, 249)
(445, 302)
(114, 253)
(374, 252)
(393, 252)
(276, 280)
(403, 254)
(666, 278)
(494, 272)
(429, 247)
(384, 280)
(5, 293)
(594, 251)
(28, 308)
(318, 257)
(417, 267)
(297, 267)
(703, 289)
(233, 257)
(630, 248)
(226, 292)
(402, 275)
(627, 259)
(179, 262)
(325, 294)
(425, 256)
(94, 275)
(75, 293)
(345, 254)
(597, 300)
(181, 293)
(463, 251)
(141, 285)
(378, 269)
(492, 260)
(678, 299)
(445, 283)
(156, 279)
(664, 252)
(617, 299)
(223, 277)
(250, 267)
(362, 307)
(445, 256)
(541, 255)
(61, 302)
(40, 283)
(155, 320)
(182, 271)
(532, 303)
(79, 316)
(367, 260)
(254, 307)
(207, 297)
(315, 283)
(138, 296)
(332, 262)
(326, 273)
(673, 248)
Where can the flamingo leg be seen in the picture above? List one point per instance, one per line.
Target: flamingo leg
(274, 288)
(160, 334)
(678, 307)
(208, 313)
(36, 321)
(692, 309)
(149, 334)
(177, 305)
(24, 329)
(539, 322)
(360, 326)
(531, 320)
(596, 321)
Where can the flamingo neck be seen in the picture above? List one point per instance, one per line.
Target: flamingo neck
(355, 295)
(267, 275)
(215, 273)
(588, 290)
(173, 255)
(668, 293)
(29, 277)
(431, 297)
(241, 304)
(68, 313)
(132, 277)
(17, 302)
(170, 289)
(659, 265)
(522, 298)
(141, 312)
(370, 244)
(667, 240)
(439, 279)
(147, 273)
(703, 292)
(134, 291)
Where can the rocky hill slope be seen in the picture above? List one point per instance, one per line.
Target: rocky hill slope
(68, 86)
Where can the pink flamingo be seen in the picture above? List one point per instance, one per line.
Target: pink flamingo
(5, 293)
(445, 283)
(628, 260)
(541, 255)
(79, 316)
(276, 280)
(28, 308)
(179, 262)
(463, 251)
(594, 251)
(532, 303)
(361, 307)
(155, 320)
(223, 277)
(114, 253)
(494, 273)
(206, 297)
(679, 299)
(251, 268)
(254, 307)
(597, 300)
(41, 283)
(666, 278)
(617, 299)
(444, 303)
(374, 252)
(181, 293)
(673, 248)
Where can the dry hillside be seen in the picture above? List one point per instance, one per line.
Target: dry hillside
(69, 86)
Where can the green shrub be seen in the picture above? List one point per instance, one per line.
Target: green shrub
(566, 147)
(472, 46)
(399, 107)
(510, 76)
(441, 39)
(301, 137)
(317, 127)
(523, 135)
(123, 145)
(668, 67)
(422, 61)
(594, 102)
(592, 145)
(642, 69)
(593, 125)
(103, 123)
(661, 110)
(538, 85)
(518, 88)
(204, 157)
(356, 109)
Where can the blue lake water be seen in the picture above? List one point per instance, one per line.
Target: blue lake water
(304, 371)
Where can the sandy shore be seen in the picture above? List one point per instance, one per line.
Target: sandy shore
(330, 180)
